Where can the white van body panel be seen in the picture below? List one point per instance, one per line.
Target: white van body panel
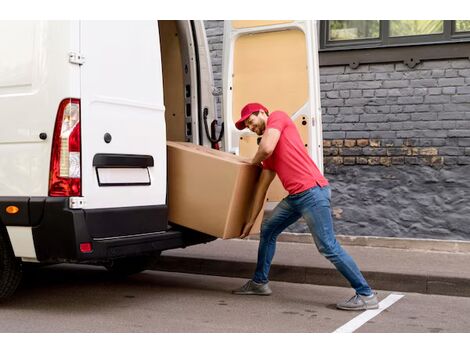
(35, 75)
(311, 108)
(21, 239)
(122, 94)
(188, 57)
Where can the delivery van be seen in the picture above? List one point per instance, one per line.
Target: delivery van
(86, 110)
(85, 107)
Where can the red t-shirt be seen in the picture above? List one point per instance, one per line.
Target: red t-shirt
(290, 160)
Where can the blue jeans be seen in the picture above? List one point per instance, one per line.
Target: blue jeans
(314, 206)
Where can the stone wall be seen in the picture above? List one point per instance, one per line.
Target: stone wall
(407, 201)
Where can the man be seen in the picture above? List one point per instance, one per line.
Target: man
(282, 152)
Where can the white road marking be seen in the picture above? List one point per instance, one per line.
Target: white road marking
(363, 318)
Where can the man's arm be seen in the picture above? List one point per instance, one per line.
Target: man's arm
(267, 145)
(265, 179)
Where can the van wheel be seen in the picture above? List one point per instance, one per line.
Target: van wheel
(132, 265)
(10, 268)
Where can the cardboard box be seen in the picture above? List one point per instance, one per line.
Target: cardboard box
(209, 190)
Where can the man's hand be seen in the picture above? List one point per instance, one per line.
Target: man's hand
(265, 179)
(246, 229)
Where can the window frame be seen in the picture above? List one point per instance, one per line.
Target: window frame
(449, 35)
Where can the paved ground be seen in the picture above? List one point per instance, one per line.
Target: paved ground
(394, 269)
(69, 298)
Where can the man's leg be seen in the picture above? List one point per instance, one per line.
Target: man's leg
(282, 216)
(316, 211)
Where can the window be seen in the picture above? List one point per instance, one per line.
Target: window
(407, 28)
(349, 30)
(462, 26)
(346, 34)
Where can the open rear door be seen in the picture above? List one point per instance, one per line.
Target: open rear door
(122, 115)
(274, 63)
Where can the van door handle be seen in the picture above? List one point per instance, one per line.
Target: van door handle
(122, 160)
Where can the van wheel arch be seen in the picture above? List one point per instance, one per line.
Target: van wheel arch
(10, 266)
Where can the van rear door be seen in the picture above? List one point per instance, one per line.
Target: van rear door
(122, 115)
(274, 63)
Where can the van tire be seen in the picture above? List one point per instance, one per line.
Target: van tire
(132, 265)
(10, 268)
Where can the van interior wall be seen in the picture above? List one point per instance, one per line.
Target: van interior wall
(173, 80)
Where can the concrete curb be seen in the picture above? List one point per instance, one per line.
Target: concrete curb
(427, 284)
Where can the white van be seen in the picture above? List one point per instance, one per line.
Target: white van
(86, 108)
(83, 138)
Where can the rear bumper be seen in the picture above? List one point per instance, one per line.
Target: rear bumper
(58, 231)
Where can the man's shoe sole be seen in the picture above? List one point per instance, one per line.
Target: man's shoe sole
(251, 293)
(358, 308)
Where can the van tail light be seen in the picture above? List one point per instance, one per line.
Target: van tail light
(65, 171)
(86, 247)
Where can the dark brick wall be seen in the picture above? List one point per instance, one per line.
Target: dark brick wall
(396, 146)
(413, 113)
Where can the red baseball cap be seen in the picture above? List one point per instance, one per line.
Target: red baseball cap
(247, 110)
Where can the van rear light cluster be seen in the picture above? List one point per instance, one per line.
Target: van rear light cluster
(65, 170)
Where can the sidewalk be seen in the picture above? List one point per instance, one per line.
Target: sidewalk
(402, 270)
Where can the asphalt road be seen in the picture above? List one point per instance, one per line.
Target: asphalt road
(72, 298)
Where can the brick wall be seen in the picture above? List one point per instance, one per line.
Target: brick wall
(418, 116)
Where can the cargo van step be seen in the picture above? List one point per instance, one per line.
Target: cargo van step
(145, 243)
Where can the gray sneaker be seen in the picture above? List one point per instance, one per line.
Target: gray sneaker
(360, 302)
(253, 288)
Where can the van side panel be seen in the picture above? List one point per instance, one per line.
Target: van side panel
(122, 96)
(35, 75)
